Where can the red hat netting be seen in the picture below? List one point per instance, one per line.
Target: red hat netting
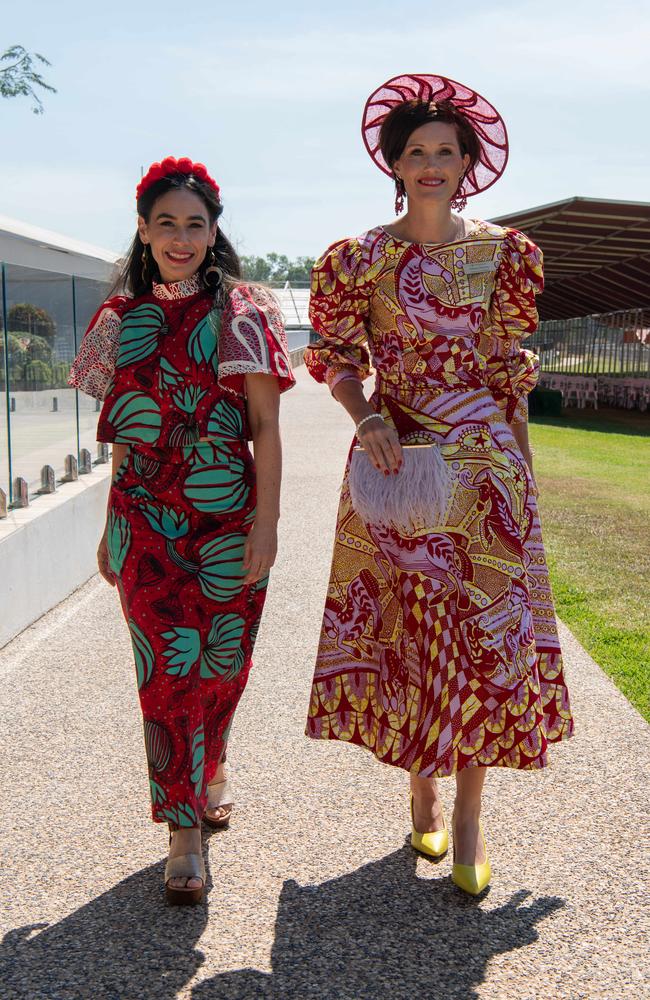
(486, 121)
(170, 165)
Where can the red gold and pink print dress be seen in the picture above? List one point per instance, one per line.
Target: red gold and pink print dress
(439, 651)
(171, 370)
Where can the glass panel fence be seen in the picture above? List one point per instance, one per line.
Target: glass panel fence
(44, 315)
(5, 465)
(88, 296)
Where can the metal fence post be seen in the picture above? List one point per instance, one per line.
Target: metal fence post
(48, 480)
(71, 469)
(20, 493)
(85, 462)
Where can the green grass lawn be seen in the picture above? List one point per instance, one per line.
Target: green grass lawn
(593, 472)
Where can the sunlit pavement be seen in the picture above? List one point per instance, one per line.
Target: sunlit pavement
(313, 891)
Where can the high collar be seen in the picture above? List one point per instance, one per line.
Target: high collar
(177, 289)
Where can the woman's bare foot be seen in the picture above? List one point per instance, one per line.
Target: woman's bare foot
(185, 841)
(468, 842)
(219, 814)
(427, 807)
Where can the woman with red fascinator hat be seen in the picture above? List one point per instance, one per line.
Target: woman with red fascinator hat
(189, 362)
(439, 650)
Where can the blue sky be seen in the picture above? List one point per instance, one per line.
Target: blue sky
(270, 98)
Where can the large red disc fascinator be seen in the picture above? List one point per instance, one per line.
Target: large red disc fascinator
(170, 165)
(485, 119)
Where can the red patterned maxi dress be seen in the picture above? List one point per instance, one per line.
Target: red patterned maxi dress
(171, 370)
(440, 651)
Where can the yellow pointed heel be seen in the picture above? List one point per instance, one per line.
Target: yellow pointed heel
(435, 844)
(472, 878)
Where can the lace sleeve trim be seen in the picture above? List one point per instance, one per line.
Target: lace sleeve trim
(94, 365)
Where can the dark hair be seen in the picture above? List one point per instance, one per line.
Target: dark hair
(402, 121)
(134, 279)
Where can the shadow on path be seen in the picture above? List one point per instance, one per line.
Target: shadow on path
(122, 945)
(382, 933)
(379, 932)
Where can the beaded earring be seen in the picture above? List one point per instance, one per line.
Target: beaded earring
(459, 201)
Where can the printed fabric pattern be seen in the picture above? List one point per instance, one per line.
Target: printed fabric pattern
(177, 526)
(179, 512)
(171, 340)
(439, 650)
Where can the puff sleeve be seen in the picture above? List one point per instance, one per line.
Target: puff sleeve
(252, 340)
(511, 371)
(339, 308)
(93, 367)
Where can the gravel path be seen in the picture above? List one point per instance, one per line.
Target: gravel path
(313, 892)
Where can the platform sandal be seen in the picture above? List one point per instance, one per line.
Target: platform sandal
(220, 798)
(184, 866)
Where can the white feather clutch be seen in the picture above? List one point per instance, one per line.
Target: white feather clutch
(413, 500)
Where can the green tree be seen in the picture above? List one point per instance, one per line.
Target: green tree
(26, 318)
(17, 358)
(20, 77)
(38, 349)
(300, 269)
(277, 268)
(255, 269)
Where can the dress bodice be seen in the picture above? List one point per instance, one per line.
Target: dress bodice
(170, 366)
(451, 315)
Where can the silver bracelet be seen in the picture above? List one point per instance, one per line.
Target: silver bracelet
(370, 416)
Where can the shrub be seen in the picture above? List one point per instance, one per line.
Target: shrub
(60, 372)
(38, 373)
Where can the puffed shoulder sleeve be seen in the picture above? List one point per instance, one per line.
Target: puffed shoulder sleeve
(93, 367)
(339, 307)
(252, 340)
(511, 371)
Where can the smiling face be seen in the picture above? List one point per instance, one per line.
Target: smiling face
(179, 233)
(431, 164)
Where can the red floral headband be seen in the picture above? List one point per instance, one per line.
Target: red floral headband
(170, 165)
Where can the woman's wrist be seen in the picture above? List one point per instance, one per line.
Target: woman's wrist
(264, 519)
(366, 420)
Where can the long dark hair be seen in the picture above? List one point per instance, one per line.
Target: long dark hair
(400, 123)
(135, 278)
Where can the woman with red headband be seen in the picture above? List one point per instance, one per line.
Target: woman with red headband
(439, 650)
(189, 362)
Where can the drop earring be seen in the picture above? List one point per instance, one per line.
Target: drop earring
(213, 267)
(459, 201)
(400, 193)
(145, 265)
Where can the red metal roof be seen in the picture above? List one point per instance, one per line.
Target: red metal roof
(596, 254)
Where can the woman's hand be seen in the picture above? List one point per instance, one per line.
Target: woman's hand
(260, 551)
(103, 562)
(381, 443)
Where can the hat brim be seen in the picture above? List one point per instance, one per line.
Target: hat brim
(484, 118)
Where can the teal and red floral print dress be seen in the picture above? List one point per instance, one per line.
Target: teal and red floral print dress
(171, 368)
